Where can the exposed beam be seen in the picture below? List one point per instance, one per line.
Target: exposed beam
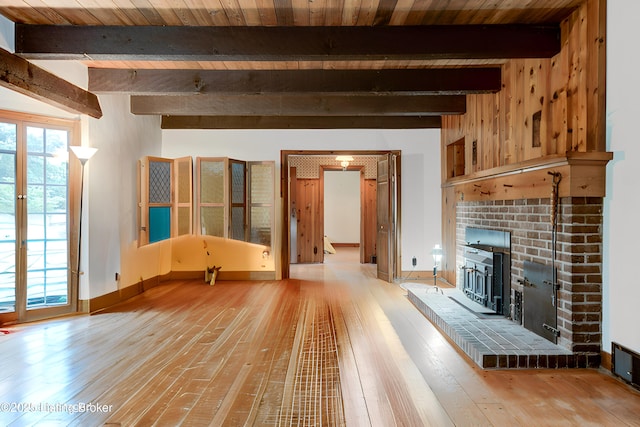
(21, 76)
(301, 122)
(292, 43)
(434, 81)
(299, 105)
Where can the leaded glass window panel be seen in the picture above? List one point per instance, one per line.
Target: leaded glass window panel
(159, 182)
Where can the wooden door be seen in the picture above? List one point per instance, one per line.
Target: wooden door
(384, 219)
(309, 241)
(369, 222)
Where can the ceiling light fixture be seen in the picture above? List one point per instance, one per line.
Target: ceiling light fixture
(344, 161)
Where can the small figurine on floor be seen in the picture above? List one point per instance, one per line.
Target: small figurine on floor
(210, 274)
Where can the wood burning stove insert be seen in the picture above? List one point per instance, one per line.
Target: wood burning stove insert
(487, 268)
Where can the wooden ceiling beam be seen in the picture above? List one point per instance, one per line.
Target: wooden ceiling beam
(21, 76)
(291, 43)
(301, 122)
(433, 81)
(299, 105)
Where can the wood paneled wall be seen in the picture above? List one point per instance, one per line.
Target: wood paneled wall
(566, 91)
(548, 109)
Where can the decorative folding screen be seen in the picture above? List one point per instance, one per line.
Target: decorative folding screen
(234, 199)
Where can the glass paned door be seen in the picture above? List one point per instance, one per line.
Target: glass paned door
(34, 226)
(47, 263)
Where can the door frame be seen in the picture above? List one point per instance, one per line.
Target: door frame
(285, 180)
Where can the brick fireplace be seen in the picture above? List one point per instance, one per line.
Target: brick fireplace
(578, 258)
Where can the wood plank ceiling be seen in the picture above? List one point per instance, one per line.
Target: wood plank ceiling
(290, 63)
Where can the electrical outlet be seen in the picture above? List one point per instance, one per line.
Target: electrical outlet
(414, 261)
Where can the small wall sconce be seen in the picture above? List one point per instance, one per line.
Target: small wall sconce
(344, 161)
(265, 254)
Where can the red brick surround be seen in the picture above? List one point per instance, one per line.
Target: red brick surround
(578, 262)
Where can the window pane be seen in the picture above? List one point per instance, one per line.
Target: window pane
(35, 140)
(56, 199)
(159, 182)
(184, 182)
(261, 183)
(7, 183)
(8, 146)
(56, 141)
(184, 220)
(237, 223)
(8, 273)
(56, 256)
(211, 182)
(261, 225)
(56, 171)
(7, 136)
(35, 169)
(35, 199)
(212, 220)
(159, 223)
(56, 287)
(237, 183)
(57, 226)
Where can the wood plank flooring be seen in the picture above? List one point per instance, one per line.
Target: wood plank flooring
(333, 346)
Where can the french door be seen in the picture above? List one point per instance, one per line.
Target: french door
(34, 221)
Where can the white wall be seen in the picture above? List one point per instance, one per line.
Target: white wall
(621, 305)
(420, 197)
(111, 176)
(342, 206)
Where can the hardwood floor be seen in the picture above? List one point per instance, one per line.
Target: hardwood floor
(333, 346)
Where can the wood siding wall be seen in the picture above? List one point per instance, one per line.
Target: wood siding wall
(566, 92)
(548, 109)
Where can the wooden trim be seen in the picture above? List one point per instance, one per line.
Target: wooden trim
(346, 245)
(112, 298)
(223, 275)
(107, 300)
(605, 360)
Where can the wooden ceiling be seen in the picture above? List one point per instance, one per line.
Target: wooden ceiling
(290, 63)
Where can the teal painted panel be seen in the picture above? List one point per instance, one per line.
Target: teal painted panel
(159, 223)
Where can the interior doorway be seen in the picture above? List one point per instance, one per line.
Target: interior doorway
(302, 189)
(342, 219)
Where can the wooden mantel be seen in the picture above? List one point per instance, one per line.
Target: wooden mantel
(582, 175)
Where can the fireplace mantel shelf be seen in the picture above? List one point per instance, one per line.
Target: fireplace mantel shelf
(582, 175)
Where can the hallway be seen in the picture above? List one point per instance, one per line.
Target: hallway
(331, 346)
